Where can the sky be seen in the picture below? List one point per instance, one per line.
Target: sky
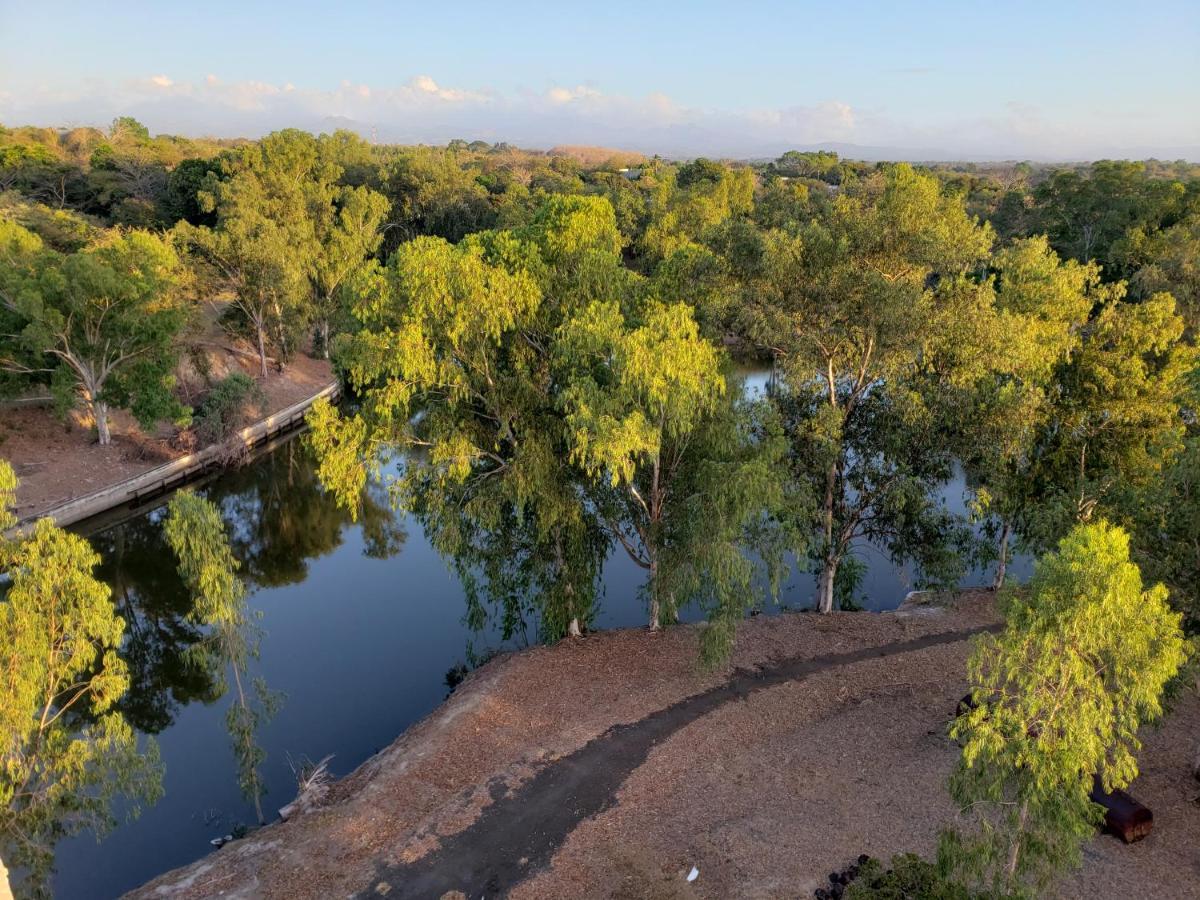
(1005, 79)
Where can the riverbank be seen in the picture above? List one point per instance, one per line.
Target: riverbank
(59, 463)
(609, 766)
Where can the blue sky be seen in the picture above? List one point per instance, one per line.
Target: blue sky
(1043, 80)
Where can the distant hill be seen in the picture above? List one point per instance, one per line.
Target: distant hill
(590, 157)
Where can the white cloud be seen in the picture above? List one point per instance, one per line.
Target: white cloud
(161, 81)
(566, 95)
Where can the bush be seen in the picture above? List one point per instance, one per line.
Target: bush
(910, 876)
(225, 408)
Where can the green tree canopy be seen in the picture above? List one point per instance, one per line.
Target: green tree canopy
(1060, 696)
(65, 750)
(101, 323)
(853, 309)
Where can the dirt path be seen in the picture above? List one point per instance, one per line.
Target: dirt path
(519, 832)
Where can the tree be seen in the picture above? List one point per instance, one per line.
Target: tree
(702, 195)
(1060, 695)
(849, 309)
(636, 397)
(65, 750)
(347, 237)
(1117, 420)
(433, 193)
(1166, 260)
(264, 245)
(463, 335)
(1086, 213)
(101, 322)
(197, 536)
(1029, 320)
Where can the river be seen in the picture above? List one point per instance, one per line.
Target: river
(361, 623)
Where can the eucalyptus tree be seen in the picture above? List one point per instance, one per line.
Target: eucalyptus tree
(1085, 213)
(67, 751)
(101, 323)
(701, 196)
(648, 419)
(850, 307)
(1167, 260)
(264, 245)
(451, 367)
(1028, 318)
(347, 232)
(1117, 418)
(197, 537)
(1059, 697)
(497, 365)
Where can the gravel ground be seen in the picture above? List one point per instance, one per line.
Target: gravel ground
(765, 794)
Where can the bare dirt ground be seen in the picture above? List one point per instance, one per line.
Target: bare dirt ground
(58, 461)
(609, 766)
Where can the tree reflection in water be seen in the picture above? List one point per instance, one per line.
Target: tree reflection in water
(278, 519)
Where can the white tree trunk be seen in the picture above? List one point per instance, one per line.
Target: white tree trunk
(100, 414)
(5, 890)
(825, 586)
(1002, 560)
(262, 351)
(573, 629)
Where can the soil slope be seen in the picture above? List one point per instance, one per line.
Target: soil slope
(609, 766)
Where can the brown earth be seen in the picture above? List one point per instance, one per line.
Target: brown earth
(809, 750)
(58, 460)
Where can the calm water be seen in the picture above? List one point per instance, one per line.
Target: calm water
(362, 622)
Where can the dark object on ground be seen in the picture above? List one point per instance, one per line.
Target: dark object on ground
(839, 881)
(965, 705)
(1124, 816)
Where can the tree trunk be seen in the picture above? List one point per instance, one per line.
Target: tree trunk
(655, 612)
(100, 414)
(573, 629)
(325, 339)
(825, 585)
(1002, 558)
(262, 350)
(1014, 856)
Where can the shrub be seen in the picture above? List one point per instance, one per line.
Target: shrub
(909, 876)
(225, 408)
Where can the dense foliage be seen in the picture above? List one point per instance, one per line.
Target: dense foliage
(539, 349)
